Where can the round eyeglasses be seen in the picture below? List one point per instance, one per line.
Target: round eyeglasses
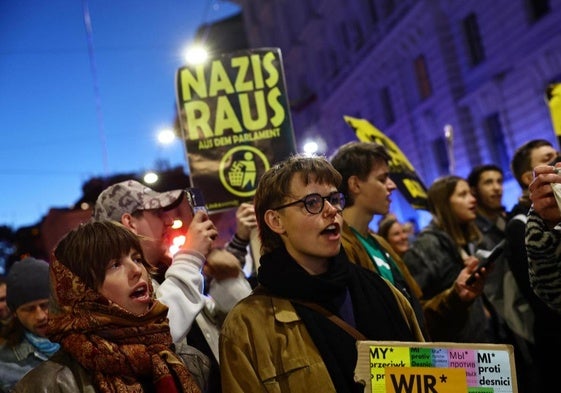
(314, 202)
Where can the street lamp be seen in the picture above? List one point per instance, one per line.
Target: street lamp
(314, 145)
(150, 177)
(166, 136)
(310, 148)
(196, 54)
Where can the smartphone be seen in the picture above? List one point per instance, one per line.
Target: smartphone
(486, 259)
(196, 200)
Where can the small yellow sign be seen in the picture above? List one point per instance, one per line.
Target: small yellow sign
(425, 380)
(554, 103)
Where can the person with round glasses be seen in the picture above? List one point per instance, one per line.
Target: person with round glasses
(314, 202)
(283, 337)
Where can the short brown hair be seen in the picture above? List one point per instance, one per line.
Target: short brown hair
(274, 188)
(522, 159)
(88, 249)
(357, 159)
(476, 172)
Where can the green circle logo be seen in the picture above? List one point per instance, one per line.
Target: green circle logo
(239, 168)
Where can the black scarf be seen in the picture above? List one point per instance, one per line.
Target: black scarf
(374, 306)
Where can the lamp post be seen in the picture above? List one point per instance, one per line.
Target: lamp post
(449, 137)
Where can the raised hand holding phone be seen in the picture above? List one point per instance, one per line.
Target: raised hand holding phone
(202, 231)
(196, 200)
(487, 259)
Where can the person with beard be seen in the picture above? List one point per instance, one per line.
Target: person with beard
(114, 334)
(26, 344)
(297, 331)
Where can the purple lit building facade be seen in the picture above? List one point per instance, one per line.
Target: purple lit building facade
(411, 67)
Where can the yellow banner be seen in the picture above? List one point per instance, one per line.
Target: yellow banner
(554, 103)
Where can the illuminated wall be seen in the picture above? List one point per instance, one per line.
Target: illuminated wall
(412, 67)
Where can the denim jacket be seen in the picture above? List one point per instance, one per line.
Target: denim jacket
(17, 361)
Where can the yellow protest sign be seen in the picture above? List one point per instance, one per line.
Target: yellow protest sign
(433, 367)
(424, 380)
(554, 102)
(235, 121)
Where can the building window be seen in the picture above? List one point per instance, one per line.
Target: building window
(423, 81)
(387, 107)
(355, 35)
(388, 7)
(345, 33)
(372, 11)
(537, 9)
(473, 39)
(495, 137)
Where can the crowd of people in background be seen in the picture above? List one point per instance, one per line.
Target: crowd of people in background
(113, 310)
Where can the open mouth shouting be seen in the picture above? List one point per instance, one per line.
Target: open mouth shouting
(332, 231)
(141, 293)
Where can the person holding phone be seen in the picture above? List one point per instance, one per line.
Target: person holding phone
(444, 249)
(546, 323)
(179, 282)
(543, 237)
(368, 187)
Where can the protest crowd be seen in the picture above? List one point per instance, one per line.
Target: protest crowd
(315, 261)
(114, 311)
